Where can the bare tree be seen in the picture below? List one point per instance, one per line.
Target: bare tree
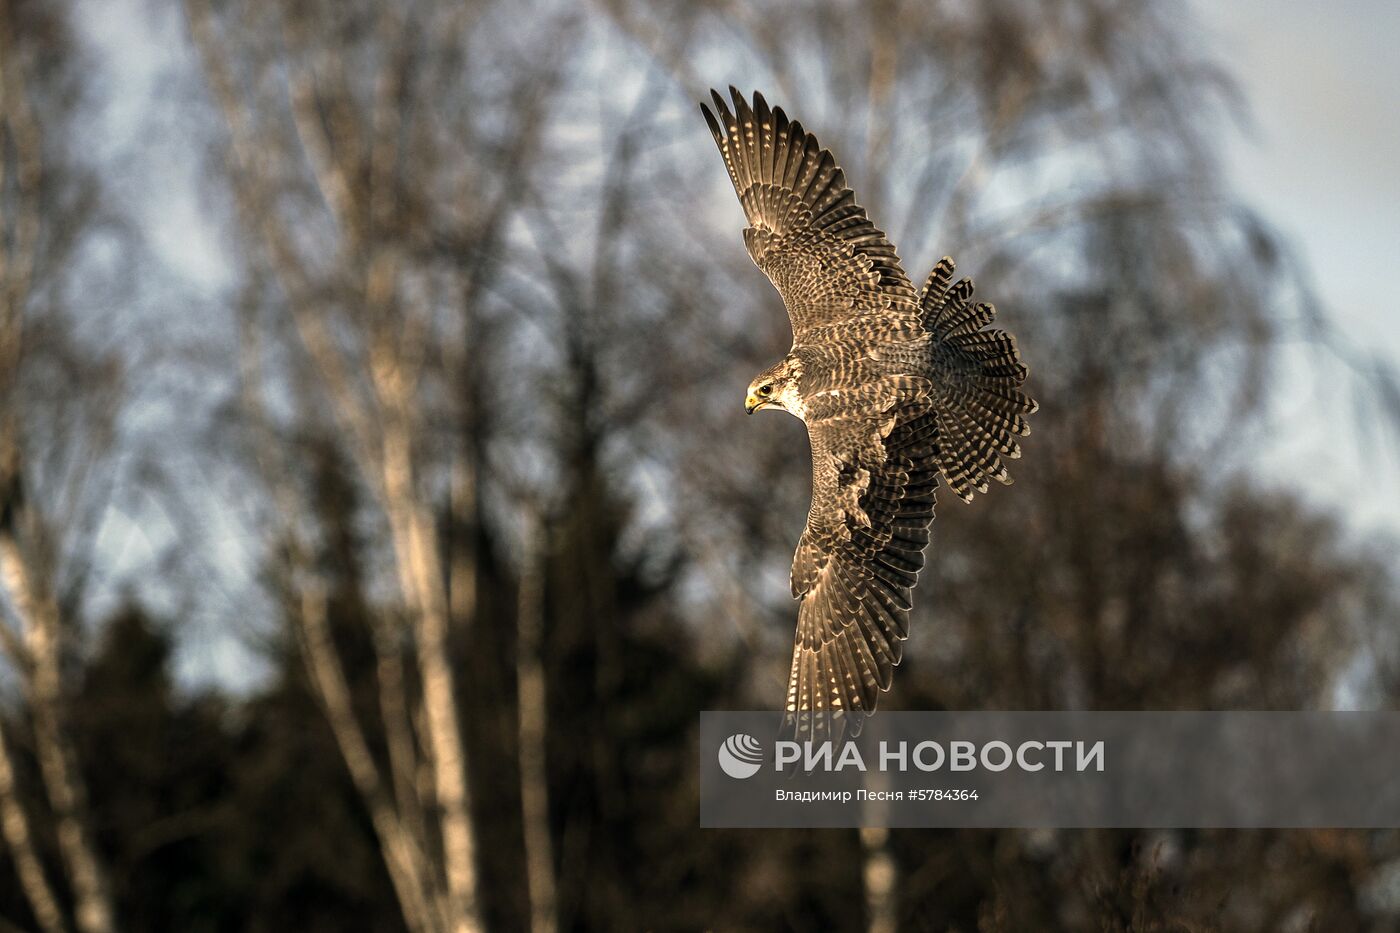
(58, 408)
(14, 820)
(381, 302)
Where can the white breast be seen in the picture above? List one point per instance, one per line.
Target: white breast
(792, 403)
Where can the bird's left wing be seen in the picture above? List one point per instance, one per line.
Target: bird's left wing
(873, 483)
(806, 231)
(877, 459)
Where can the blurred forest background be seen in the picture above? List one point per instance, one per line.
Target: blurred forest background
(468, 416)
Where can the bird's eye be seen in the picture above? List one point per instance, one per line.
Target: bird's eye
(765, 390)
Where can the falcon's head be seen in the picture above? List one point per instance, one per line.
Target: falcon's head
(776, 387)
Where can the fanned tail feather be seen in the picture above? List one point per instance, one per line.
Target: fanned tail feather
(980, 408)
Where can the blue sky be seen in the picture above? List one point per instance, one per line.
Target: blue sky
(1322, 161)
(1323, 84)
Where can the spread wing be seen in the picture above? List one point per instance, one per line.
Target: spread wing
(874, 476)
(806, 231)
(873, 483)
(876, 462)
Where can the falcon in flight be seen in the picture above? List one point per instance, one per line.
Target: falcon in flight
(900, 389)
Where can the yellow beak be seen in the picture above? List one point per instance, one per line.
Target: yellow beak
(752, 403)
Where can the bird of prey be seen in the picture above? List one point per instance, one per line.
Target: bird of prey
(899, 388)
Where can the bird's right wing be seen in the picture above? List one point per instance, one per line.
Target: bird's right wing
(806, 231)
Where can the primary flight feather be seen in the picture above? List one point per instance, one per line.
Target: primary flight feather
(899, 389)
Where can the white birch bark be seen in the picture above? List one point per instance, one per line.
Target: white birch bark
(14, 822)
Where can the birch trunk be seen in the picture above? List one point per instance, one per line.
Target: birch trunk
(402, 854)
(400, 833)
(14, 822)
(421, 575)
(878, 876)
(63, 784)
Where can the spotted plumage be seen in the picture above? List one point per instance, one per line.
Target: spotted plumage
(899, 389)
